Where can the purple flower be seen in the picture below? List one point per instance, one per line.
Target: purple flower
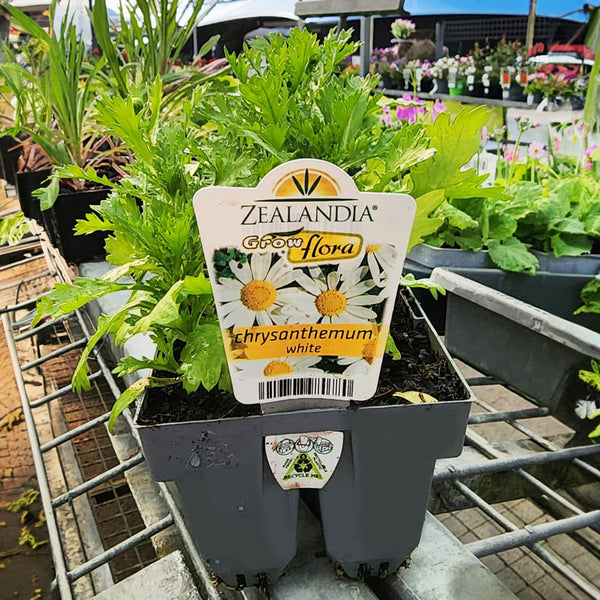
(409, 108)
(438, 107)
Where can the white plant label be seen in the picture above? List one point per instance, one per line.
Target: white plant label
(304, 270)
(304, 460)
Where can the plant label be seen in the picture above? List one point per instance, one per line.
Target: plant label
(304, 460)
(304, 270)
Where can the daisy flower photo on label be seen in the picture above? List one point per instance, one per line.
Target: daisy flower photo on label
(276, 367)
(381, 259)
(360, 365)
(257, 291)
(339, 296)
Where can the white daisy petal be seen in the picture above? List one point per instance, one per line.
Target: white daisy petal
(260, 264)
(241, 270)
(309, 284)
(360, 312)
(332, 280)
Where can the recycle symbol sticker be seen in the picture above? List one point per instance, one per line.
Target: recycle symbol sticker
(304, 460)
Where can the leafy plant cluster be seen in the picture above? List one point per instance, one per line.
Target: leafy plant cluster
(55, 88)
(592, 378)
(560, 216)
(289, 101)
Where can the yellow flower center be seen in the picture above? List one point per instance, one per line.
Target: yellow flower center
(368, 351)
(258, 295)
(372, 248)
(278, 367)
(331, 303)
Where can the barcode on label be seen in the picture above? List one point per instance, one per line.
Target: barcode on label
(292, 387)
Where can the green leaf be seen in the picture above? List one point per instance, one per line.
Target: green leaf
(512, 255)
(424, 223)
(409, 280)
(48, 193)
(203, 357)
(501, 226)
(456, 217)
(68, 297)
(134, 391)
(570, 244)
(568, 225)
(91, 224)
(590, 295)
(391, 349)
(165, 312)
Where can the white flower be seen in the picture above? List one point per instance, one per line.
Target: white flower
(341, 297)
(360, 365)
(381, 259)
(257, 293)
(276, 367)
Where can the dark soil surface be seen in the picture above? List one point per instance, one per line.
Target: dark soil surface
(421, 369)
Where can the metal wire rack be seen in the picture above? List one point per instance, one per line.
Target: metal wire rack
(97, 492)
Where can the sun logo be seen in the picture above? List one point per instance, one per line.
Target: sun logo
(306, 182)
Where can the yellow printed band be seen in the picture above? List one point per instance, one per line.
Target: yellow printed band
(276, 341)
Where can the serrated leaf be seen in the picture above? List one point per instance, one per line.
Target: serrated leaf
(409, 280)
(92, 222)
(570, 244)
(203, 358)
(512, 255)
(456, 217)
(501, 226)
(165, 311)
(424, 223)
(568, 225)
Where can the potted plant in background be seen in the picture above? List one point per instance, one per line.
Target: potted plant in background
(240, 138)
(402, 30)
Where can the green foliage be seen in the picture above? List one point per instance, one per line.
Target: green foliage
(147, 46)
(288, 102)
(434, 288)
(59, 93)
(13, 228)
(24, 501)
(592, 378)
(590, 295)
(560, 216)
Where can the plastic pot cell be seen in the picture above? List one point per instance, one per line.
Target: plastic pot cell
(372, 509)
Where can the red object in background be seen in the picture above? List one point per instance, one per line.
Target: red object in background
(580, 49)
(536, 49)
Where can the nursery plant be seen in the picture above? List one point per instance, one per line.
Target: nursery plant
(243, 136)
(56, 94)
(592, 378)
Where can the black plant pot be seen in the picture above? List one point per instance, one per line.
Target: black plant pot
(554, 288)
(476, 91)
(515, 93)
(26, 183)
(10, 150)
(494, 92)
(60, 220)
(372, 509)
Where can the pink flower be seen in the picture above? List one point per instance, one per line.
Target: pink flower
(484, 135)
(386, 116)
(536, 150)
(511, 155)
(409, 109)
(438, 107)
(588, 153)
